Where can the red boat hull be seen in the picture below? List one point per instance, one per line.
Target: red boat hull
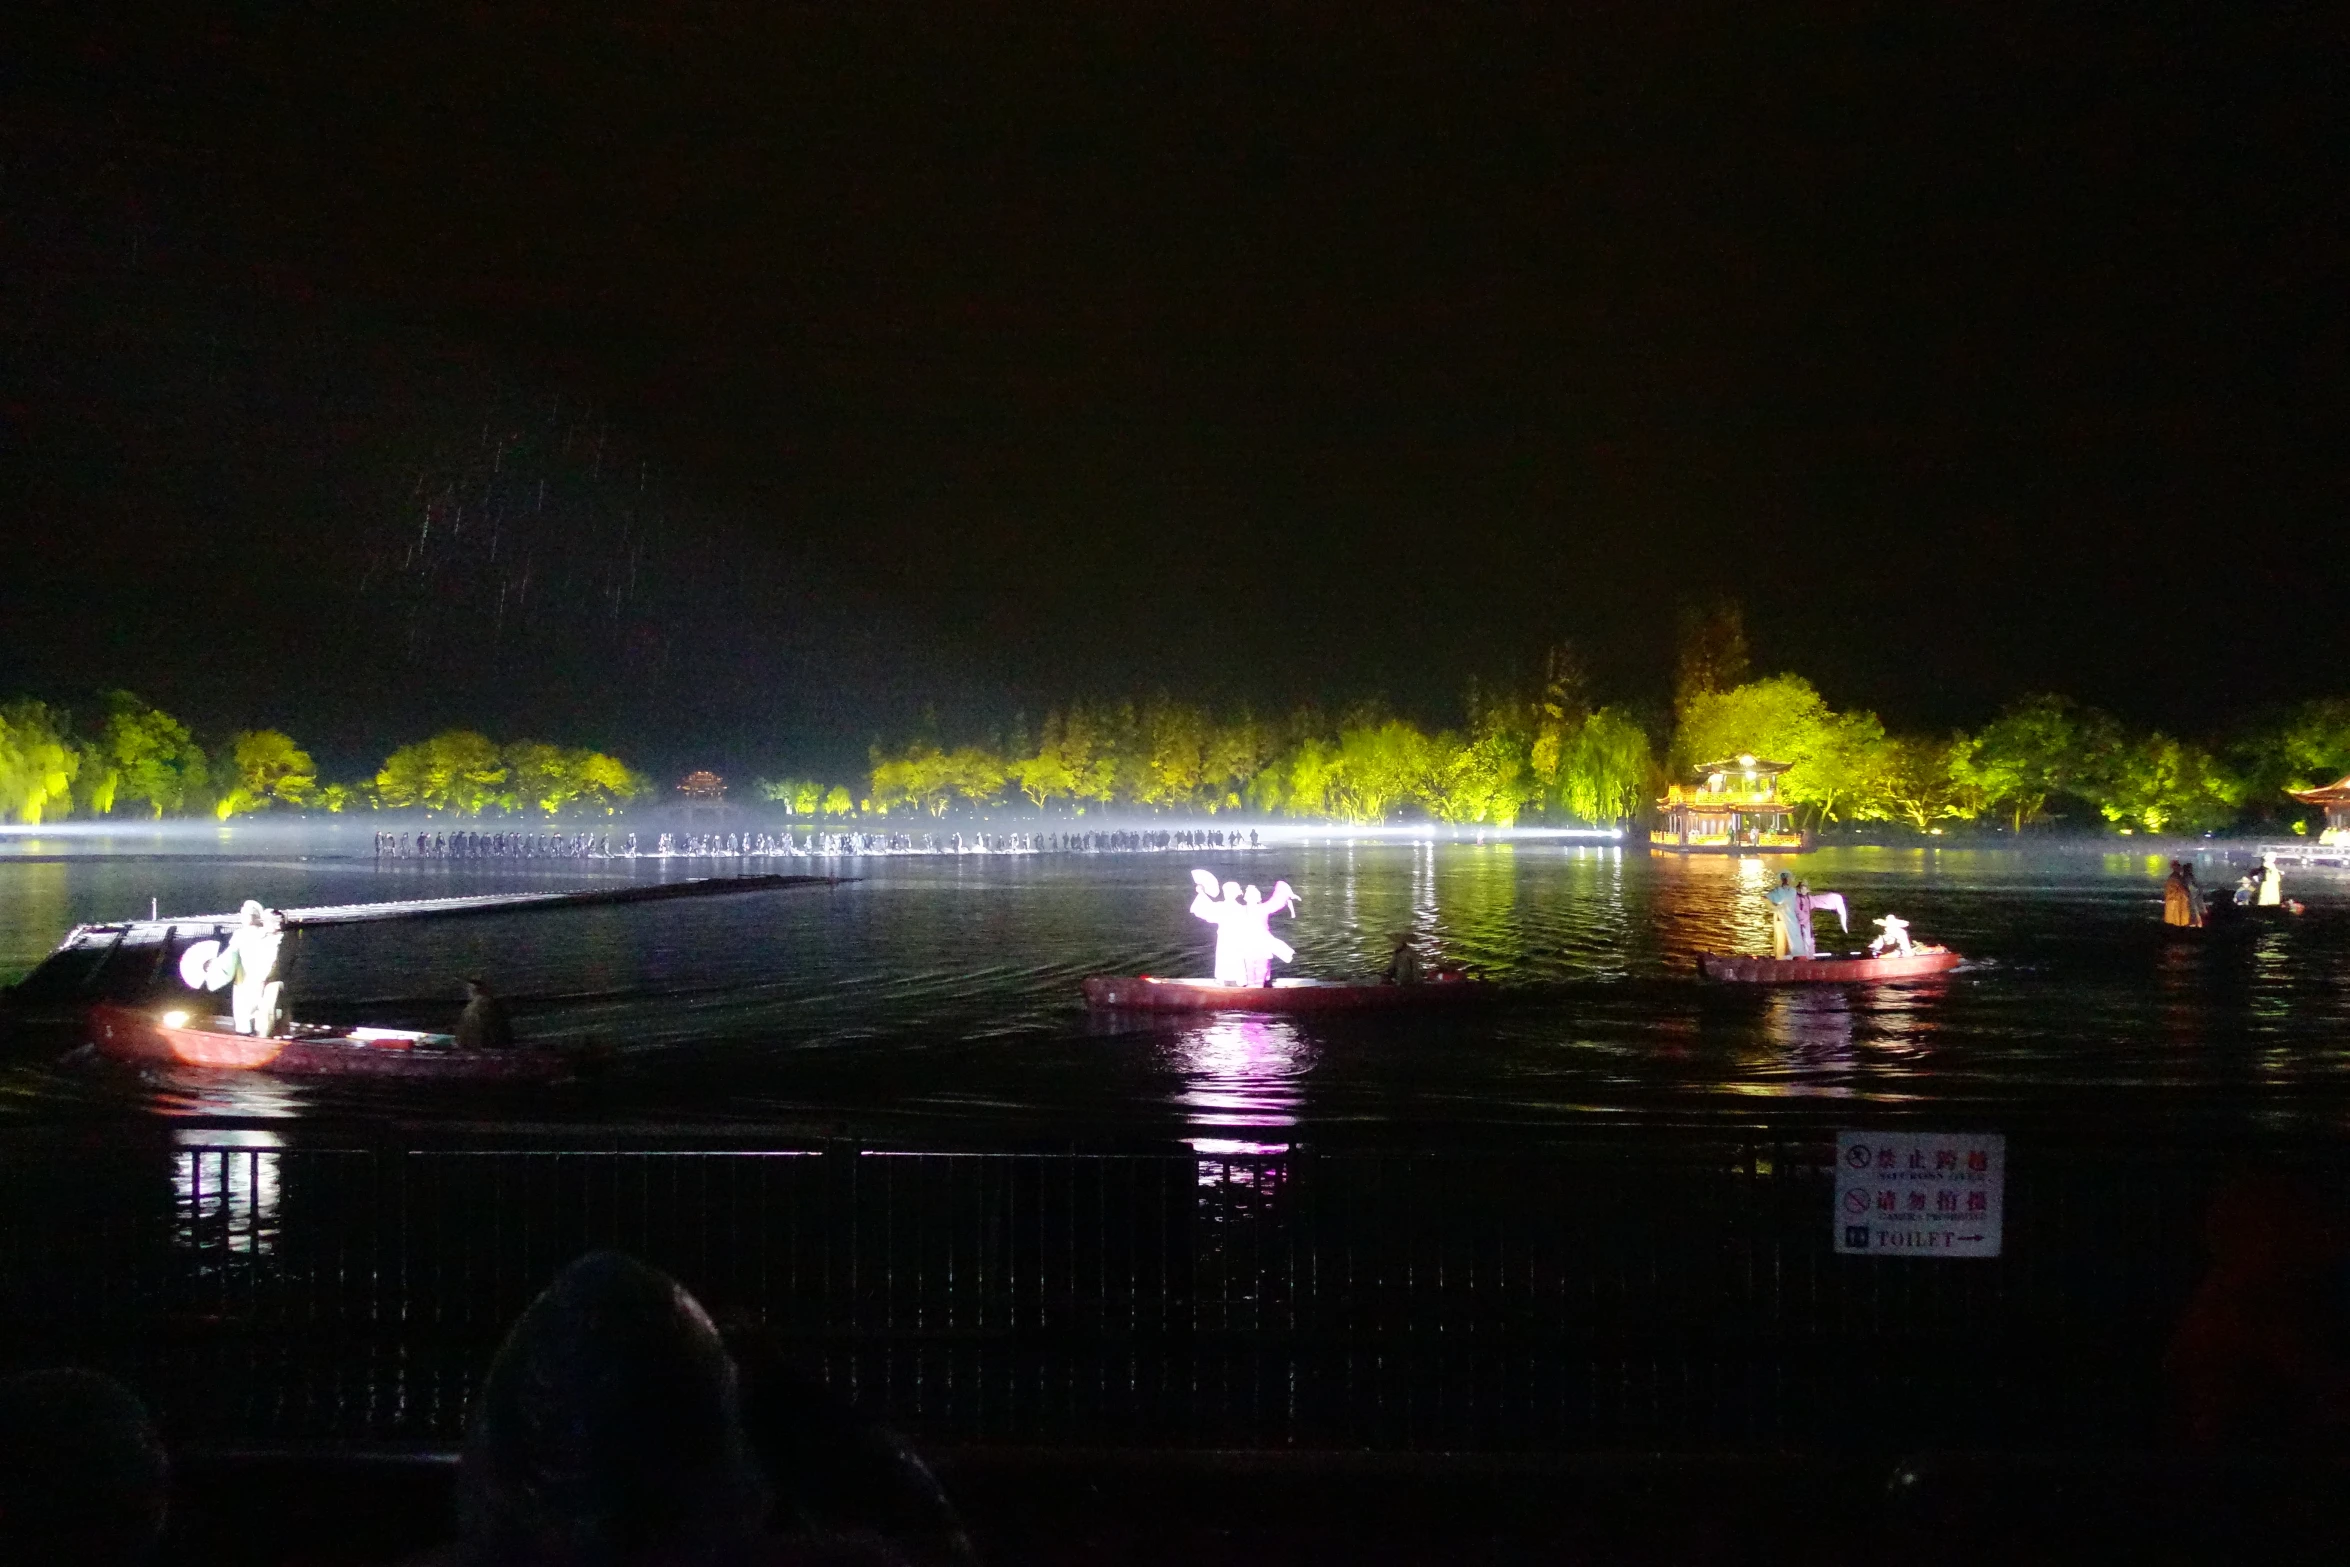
(1143, 993)
(140, 1038)
(1825, 971)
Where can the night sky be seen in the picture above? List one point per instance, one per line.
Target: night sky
(796, 370)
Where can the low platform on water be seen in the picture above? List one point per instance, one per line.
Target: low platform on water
(1861, 969)
(140, 1037)
(131, 960)
(1148, 993)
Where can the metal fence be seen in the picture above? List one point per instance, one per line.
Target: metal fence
(1649, 1290)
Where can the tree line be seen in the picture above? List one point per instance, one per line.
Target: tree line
(1544, 751)
(1551, 753)
(128, 758)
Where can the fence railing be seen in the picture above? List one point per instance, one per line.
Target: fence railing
(1630, 1290)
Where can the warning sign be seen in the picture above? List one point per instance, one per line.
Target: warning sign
(1919, 1194)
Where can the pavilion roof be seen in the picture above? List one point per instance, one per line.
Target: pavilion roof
(2331, 794)
(1748, 764)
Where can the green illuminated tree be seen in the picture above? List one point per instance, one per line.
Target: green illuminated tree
(553, 779)
(1910, 778)
(143, 756)
(2036, 750)
(2305, 748)
(1606, 770)
(266, 768)
(974, 774)
(458, 772)
(2158, 784)
(920, 777)
(38, 763)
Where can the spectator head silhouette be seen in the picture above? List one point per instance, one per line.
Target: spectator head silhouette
(2257, 1361)
(609, 1430)
(83, 1475)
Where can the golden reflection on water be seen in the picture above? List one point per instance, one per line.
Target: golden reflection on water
(227, 1188)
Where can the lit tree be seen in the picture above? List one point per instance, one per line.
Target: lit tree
(37, 763)
(2039, 748)
(458, 772)
(2164, 785)
(267, 768)
(141, 755)
(974, 774)
(1606, 772)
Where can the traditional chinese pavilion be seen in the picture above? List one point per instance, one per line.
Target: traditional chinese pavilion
(1730, 807)
(2335, 797)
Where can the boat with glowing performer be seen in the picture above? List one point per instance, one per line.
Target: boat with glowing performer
(138, 1036)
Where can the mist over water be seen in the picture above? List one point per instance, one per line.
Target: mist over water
(935, 999)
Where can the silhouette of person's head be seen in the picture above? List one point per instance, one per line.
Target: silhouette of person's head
(83, 1475)
(609, 1430)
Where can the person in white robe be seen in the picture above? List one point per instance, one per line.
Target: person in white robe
(1222, 908)
(2272, 883)
(1263, 947)
(1895, 939)
(247, 962)
(1782, 901)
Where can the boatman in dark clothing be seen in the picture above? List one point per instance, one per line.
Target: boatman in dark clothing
(1403, 964)
(484, 1024)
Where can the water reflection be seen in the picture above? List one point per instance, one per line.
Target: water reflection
(1242, 1076)
(226, 1188)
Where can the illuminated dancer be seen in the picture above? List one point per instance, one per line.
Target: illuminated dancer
(1222, 908)
(2272, 883)
(245, 964)
(1782, 901)
(1256, 915)
(1801, 942)
(1895, 938)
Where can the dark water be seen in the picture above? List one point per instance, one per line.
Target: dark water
(936, 999)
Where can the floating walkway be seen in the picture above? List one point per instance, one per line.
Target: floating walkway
(2305, 854)
(124, 957)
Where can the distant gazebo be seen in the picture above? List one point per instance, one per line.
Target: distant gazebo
(2335, 797)
(705, 798)
(1728, 807)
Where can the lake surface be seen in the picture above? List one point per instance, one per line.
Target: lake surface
(934, 1000)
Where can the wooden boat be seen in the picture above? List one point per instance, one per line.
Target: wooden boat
(143, 1037)
(1857, 969)
(1147, 993)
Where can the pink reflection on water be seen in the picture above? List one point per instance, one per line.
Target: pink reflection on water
(1241, 1075)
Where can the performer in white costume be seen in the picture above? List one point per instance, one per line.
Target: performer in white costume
(1256, 914)
(246, 963)
(1782, 901)
(1245, 943)
(1895, 939)
(1221, 907)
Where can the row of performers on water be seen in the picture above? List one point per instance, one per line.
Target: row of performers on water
(1793, 904)
(2184, 901)
(245, 966)
(591, 846)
